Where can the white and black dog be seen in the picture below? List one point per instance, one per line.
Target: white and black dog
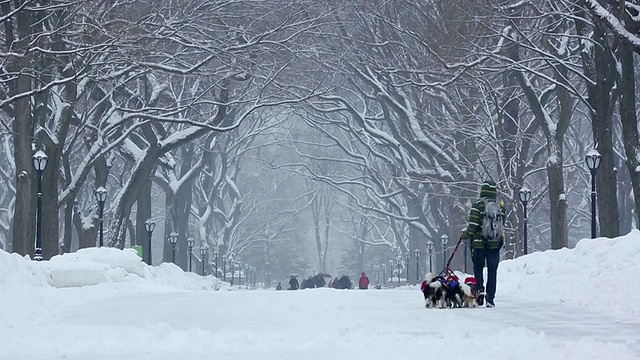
(470, 290)
(434, 290)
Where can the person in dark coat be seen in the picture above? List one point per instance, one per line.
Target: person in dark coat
(344, 283)
(293, 283)
(279, 286)
(363, 284)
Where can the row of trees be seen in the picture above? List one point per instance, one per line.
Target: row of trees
(255, 126)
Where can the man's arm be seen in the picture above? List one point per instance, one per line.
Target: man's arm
(474, 220)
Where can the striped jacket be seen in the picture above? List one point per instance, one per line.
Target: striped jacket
(488, 191)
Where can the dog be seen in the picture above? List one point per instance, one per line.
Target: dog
(434, 291)
(454, 292)
(470, 292)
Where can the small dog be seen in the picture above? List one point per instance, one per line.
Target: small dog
(470, 292)
(454, 292)
(434, 291)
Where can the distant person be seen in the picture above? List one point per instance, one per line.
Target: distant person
(344, 283)
(279, 286)
(363, 284)
(293, 283)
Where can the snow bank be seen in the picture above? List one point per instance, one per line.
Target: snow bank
(598, 274)
(94, 266)
(18, 271)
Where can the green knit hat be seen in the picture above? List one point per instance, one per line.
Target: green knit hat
(488, 189)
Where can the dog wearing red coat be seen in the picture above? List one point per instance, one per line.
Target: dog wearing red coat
(434, 291)
(470, 290)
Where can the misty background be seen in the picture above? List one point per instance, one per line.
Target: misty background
(315, 136)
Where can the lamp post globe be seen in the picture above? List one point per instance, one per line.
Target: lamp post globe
(444, 239)
(430, 251)
(101, 196)
(149, 226)
(203, 254)
(190, 243)
(525, 197)
(593, 159)
(39, 163)
(173, 240)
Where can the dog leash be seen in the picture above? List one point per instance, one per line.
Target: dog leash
(447, 269)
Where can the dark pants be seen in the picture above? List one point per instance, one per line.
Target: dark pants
(490, 257)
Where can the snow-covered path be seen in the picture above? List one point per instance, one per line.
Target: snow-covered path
(317, 324)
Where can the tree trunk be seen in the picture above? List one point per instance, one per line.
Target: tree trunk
(26, 181)
(629, 120)
(603, 102)
(143, 213)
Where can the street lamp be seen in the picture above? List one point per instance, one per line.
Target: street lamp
(430, 251)
(203, 254)
(224, 267)
(233, 271)
(407, 257)
(525, 197)
(376, 270)
(190, 243)
(173, 240)
(391, 270)
(101, 196)
(246, 275)
(417, 254)
(149, 226)
(39, 163)
(593, 159)
(399, 264)
(253, 269)
(444, 239)
(384, 274)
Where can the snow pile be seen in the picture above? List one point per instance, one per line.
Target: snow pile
(18, 271)
(94, 266)
(598, 274)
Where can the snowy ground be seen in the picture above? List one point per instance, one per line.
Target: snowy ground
(135, 312)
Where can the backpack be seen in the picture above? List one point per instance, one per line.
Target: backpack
(492, 221)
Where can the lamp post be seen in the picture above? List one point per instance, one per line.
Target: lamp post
(255, 270)
(190, 243)
(39, 163)
(224, 267)
(376, 271)
(233, 271)
(173, 240)
(399, 264)
(384, 274)
(149, 226)
(203, 254)
(444, 239)
(391, 271)
(430, 251)
(101, 196)
(593, 159)
(246, 275)
(525, 196)
(417, 254)
(407, 257)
